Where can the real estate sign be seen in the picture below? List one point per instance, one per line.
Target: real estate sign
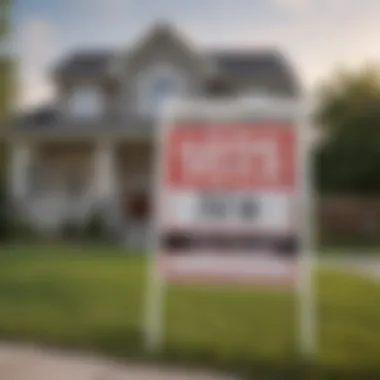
(231, 196)
(228, 206)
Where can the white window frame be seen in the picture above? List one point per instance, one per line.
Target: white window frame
(97, 102)
(145, 82)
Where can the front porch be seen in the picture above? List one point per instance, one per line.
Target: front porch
(55, 182)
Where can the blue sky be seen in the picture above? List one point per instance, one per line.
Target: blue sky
(317, 35)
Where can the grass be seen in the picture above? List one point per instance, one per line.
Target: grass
(345, 250)
(92, 299)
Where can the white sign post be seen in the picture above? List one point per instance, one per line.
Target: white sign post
(233, 203)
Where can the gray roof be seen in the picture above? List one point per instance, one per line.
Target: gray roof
(265, 70)
(49, 121)
(86, 63)
(262, 70)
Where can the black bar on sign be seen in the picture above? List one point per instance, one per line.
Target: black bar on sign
(182, 242)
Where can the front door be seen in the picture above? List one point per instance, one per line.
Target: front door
(137, 213)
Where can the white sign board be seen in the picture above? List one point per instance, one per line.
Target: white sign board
(231, 197)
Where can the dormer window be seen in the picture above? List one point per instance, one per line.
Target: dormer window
(156, 86)
(86, 102)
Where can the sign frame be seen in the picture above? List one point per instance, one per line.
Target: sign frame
(239, 109)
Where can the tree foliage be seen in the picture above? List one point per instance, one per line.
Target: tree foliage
(5, 60)
(348, 110)
(6, 74)
(4, 16)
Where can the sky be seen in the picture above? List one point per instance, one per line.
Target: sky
(317, 36)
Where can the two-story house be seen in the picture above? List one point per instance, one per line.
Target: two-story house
(93, 147)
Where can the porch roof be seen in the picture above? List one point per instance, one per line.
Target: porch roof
(47, 122)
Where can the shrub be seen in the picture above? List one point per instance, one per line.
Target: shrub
(96, 227)
(20, 230)
(4, 214)
(71, 230)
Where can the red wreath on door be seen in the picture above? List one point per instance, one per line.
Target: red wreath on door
(138, 205)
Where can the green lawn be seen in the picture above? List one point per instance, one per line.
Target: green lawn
(92, 298)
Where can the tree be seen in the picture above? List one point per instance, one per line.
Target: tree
(348, 111)
(5, 61)
(4, 17)
(5, 103)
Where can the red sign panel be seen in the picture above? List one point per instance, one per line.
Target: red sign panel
(227, 205)
(231, 157)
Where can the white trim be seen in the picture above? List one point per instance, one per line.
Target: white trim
(21, 156)
(104, 167)
(250, 108)
(146, 78)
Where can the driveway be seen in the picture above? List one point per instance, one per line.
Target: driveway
(29, 363)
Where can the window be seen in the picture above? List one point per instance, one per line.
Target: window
(86, 102)
(156, 87)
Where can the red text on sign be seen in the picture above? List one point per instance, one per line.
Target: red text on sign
(231, 156)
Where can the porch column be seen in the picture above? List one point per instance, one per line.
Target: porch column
(105, 181)
(20, 160)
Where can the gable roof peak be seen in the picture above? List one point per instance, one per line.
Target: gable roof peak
(162, 29)
(162, 26)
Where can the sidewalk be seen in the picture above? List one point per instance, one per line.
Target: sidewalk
(28, 363)
(368, 265)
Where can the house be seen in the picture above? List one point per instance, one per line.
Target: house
(93, 147)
